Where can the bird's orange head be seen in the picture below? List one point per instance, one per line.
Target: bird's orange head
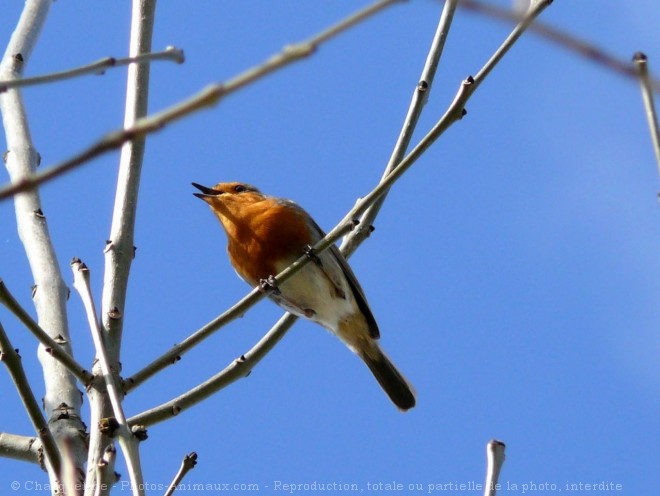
(264, 233)
(229, 196)
(233, 202)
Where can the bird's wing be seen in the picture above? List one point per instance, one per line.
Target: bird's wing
(333, 259)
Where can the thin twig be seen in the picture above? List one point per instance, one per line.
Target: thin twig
(12, 361)
(170, 53)
(127, 440)
(495, 457)
(51, 346)
(641, 63)
(187, 464)
(419, 99)
(206, 98)
(237, 369)
(565, 40)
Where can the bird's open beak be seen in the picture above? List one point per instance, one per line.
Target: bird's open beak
(205, 192)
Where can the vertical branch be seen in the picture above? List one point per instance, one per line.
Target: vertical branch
(641, 62)
(419, 99)
(495, 457)
(62, 400)
(120, 249)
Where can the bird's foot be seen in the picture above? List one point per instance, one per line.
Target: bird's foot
(269, 285)
(309, 252)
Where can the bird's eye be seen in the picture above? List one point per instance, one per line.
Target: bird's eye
(239, 188)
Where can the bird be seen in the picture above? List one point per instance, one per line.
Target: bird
(266, 234)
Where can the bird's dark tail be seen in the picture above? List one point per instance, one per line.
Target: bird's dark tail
(390, 379)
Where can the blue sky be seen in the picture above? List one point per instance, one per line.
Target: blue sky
(514, 270)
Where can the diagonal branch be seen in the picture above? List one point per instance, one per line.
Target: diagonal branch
(419, 99)
(170, 53)
(127, 441)
(51, 346)
(206, 98)
(566, 40)
(12, 361)
(237, 369)
(187, 464)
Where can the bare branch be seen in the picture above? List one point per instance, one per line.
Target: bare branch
(170, 53)
(12, 361)
(105, 471)
(566, 40)
(188, 463)
(419, 99)
(641, 62)
(495, 457)
(120, 250)
(206, 98)
(25, 448)
(127, 441)
(51, 346)
(239, 368)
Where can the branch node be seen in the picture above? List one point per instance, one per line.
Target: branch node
(108, 426)
(639, 57)
(140, 432)
(179, 56)
(63, 411)
(39, 214)
(114, 313)
(190, 460)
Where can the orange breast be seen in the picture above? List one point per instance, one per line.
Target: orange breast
(266, 237)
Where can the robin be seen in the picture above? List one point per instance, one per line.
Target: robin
(267, 234)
